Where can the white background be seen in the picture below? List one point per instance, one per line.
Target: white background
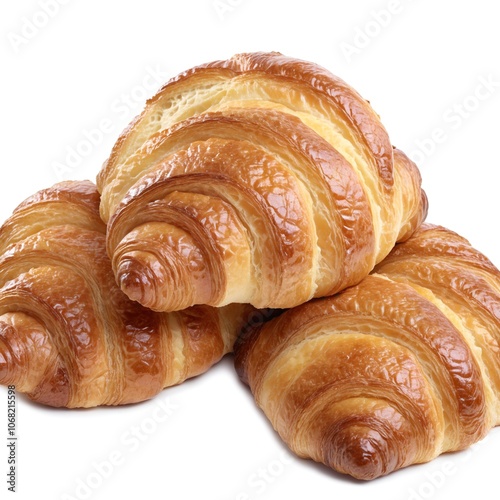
(78, 69)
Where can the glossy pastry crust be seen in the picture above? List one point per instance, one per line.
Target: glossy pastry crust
(68, 335)
(391, 372)
(260, 179)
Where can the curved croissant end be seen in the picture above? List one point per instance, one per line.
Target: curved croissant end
(391, 372)
(68, 335)
(260, 179)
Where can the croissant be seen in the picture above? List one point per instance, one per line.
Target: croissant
(391, 372)
(68, 336)
(261, 179)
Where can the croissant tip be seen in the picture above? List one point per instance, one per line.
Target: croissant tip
(135, 281)
(5, 370)
(361, 455)
(132, 284)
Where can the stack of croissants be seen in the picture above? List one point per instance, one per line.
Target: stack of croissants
(257, 206)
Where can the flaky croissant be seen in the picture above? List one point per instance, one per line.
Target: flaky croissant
(394, 371)
(68, 335)
(260, 179)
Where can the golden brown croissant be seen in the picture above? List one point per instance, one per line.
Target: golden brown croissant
(391, 372)
(260, 179)
(68, 335)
